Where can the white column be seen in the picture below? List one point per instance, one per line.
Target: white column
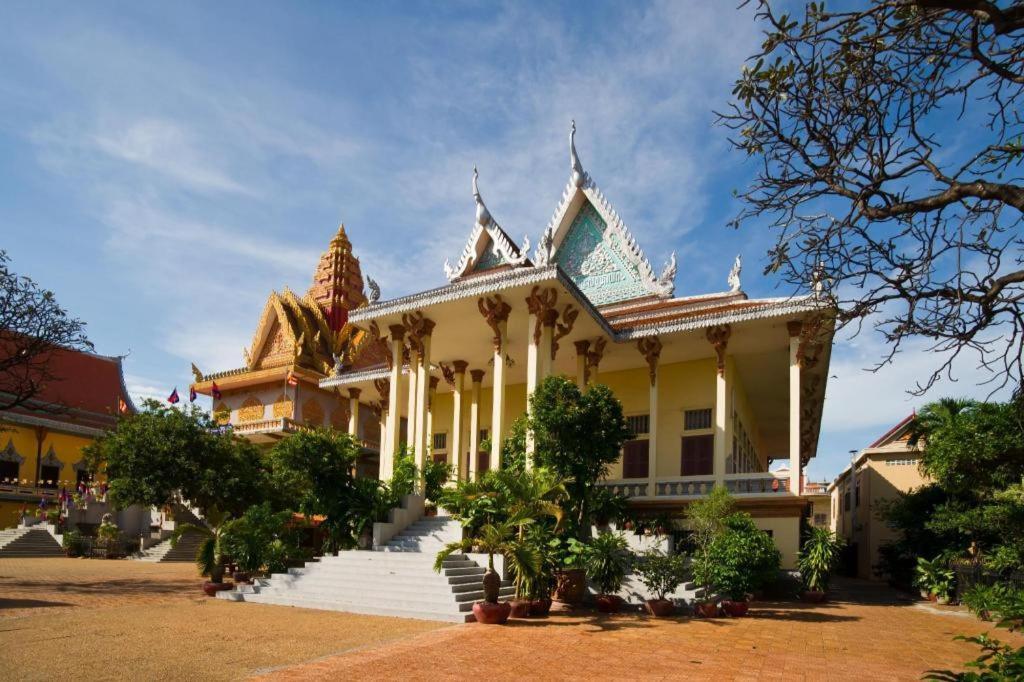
(532, 377)
(422, 388)
(474, 423)
(382, 459)
(353, 412)
(394, 421)
(410, 418)
(721, 417)
(652, 436)
(455, 442)
(429, 431)
(794, 407)
(582, 348)
(498, 398)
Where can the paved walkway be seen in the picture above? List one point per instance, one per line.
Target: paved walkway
(92, 619)
(861, 635)
(97, 619)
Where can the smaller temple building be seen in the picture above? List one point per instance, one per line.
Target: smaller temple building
(41, 441)
(300, 341)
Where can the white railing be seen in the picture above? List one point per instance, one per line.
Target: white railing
(626, 488)
(267, 426)
(684, 486)
(757, 483)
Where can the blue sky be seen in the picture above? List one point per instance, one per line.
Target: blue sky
(163, 166)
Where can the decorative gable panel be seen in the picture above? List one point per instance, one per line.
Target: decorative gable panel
(596, 260)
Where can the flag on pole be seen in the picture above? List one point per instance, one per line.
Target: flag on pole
(292, 379)
(173, 397)
(192, 395)
(215, 391)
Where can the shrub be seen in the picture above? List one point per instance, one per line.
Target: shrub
(661, 573)
(607, 559)
(740, 559)
(247, 539)
(934, 577)
(75, 544)
(990, 602)
(818, 558)
(435, 475)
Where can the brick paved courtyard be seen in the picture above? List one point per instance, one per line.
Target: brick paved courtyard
(129, 620)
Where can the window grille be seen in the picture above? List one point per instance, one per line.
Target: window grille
(440, 441)
(639, 424)
(697, 419)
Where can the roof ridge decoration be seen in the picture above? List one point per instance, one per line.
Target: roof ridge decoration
(580, 190)
(488, 245)
(734, 275)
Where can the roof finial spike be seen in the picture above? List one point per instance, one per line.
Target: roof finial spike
(578, 176)
(483, 216)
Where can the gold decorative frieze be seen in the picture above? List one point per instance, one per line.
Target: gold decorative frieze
(251, 410)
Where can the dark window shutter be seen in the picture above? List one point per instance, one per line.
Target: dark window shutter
(634, 459)
(698, 456)
(483, 462)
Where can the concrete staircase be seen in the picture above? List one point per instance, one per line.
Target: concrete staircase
(634, 592)
(184, 551)
(28, 543)
(397, 579)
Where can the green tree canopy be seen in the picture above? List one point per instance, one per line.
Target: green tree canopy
(164, 455)
(577, 435)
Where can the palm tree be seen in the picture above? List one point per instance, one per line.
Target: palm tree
(209, 557)
(532, 494)
(936, 416)
(497, 538)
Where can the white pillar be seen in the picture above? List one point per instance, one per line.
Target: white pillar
(474, 423)
(498, 398)
(422, 388)
(410, 418)
(382, 459)
(455, 442)
(582, 348)
(652, 435)
(394, 421)
(794, 407)
(429, 435)
(533, 367)
(353, 412)
(721, 417)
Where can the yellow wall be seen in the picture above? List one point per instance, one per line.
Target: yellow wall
(786, 533)
(67, 447)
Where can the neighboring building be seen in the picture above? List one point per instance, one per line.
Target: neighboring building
(299, 341)
(715, 386)
(879, 472)
(42, 440)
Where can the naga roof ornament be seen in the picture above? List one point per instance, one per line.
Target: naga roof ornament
(616, 251)
(734, 275)
(488, 245)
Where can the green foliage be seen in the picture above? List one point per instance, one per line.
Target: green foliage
(74, 543)
(435, 475)
(996, 602)
(934, 577)
(513, 446)
(739, 559)
(661, 573)
(577, 435)
(997, 662)
(164, 455)
(500, 495)
(607, 560)
(247, 540)
(818, 558)
(608, 506)
(706, 517)
(209, 554)
(314, 470)
(404, 475)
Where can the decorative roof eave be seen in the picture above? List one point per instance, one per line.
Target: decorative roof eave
(581, 184)
(54, 424)
(773, 307)
(357, 377)
(500, 243)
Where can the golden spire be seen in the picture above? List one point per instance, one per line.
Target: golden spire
(338, 281)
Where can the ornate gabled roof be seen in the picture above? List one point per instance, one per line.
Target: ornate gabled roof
(488, 246)
(589, 240)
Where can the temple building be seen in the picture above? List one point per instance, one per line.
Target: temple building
(716, 386)
(299, 341)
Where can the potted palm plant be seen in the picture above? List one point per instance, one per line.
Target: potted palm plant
(607, 560)
(818, 558)
(661, 574)
(934, 578)
(491, 539)
(209, 557)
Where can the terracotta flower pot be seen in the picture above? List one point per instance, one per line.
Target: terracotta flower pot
(540, 608)
(736, 609)
(571, 585)
(609, 603)
(488, 613)
(660, 608)
(520, 608)
(708, 609)
(813, 596)
(211, 589)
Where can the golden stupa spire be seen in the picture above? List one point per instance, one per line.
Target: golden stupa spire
(338, 282)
